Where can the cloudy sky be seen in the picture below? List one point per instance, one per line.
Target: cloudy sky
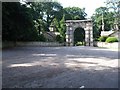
(89, 5)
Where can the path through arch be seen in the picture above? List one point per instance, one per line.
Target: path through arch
(79, 36)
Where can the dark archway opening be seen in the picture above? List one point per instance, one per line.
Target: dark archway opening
(79, 37)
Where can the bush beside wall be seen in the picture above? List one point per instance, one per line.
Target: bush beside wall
(103, 38)
(111, 39)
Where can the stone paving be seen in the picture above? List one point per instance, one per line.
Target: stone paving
(59, 67)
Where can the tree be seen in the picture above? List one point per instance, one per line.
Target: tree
(102, 14)
(111, 15)
(24, 22)
(17, 22)
(101, 10)
(60, 26)
(70, 13)
(74, 13)
(114, 6)
(47, 11)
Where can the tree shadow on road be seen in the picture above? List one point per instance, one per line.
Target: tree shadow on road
(42, 69)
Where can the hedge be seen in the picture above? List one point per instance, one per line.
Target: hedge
(102, 38)
(111, 39)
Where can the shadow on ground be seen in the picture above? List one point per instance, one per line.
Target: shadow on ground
(60, 67)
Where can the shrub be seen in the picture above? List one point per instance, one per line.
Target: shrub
(103, 38)
(80, 43)
(41, 38)
(96, 39)
(59, 39)
(111, 39)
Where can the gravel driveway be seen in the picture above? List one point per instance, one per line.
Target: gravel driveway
(59, 67)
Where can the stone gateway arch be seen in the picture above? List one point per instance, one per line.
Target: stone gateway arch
(71, 25)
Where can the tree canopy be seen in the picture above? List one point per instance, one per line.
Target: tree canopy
(17, 22)
(74, 13)
(25, 22)
(109, 15)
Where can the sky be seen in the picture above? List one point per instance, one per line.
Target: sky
(89, 5)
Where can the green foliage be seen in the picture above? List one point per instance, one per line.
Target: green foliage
(97, 20)
(107, 17)
(96, 39)
(80, 43)
(114, 6)
(60, 27)
(101, 10)
(110, 16)
(41, 37)
(103, 38)
(47, 11)
(59, 39)
(25, 22)
(17, 22)
(74, 13)
(111, 39)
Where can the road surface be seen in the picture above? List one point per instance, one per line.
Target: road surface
(60, 67)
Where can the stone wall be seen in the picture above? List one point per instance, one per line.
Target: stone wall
(39, 44)
(46, 44)
(7, 44)
(114, 45)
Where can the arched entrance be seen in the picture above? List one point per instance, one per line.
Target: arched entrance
(79, 36)
(71, 25)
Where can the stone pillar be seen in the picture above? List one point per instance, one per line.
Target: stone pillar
(87, 37)
(69, 36)
(89, 34)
